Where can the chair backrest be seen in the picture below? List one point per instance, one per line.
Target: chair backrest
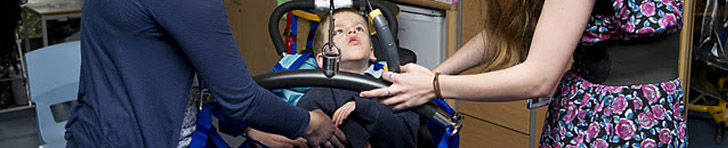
(53, 75)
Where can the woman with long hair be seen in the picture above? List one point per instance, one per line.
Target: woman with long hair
(622, 89)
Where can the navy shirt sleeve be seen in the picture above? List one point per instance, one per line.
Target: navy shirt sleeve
(201, 29)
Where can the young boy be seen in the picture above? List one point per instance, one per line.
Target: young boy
(363, 120)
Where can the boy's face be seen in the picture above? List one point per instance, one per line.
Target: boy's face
(352, 36)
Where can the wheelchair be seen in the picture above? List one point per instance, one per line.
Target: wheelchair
(442, 123)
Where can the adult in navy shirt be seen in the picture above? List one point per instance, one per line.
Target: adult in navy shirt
(138, 62)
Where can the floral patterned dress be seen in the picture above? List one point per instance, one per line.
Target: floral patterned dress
(585, 115)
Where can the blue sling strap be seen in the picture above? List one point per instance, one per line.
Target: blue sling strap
(206, 136)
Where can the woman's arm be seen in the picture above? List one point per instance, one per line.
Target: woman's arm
(202, 32)
(556, 36)
(469, 56)
(557, 33)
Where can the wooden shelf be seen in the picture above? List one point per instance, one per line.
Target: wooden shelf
(430, 4)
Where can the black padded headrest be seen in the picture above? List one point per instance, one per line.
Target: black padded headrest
(405, 55)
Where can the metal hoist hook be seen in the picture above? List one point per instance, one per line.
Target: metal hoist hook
(331, 57)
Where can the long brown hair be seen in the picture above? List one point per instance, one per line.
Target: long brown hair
(508, 28)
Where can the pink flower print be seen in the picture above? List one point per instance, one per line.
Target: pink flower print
(598, 107)
(619, 105)
(625, 129)
(669, 87)
(584, 100)
(601, 89)
(648, 143)
(608, 110)
(579, 138)
(612, 22)
(571, 146)
(562, 131)
(615, 89)
(648, 8)
(624, 13)
(555, 131)
(658, 111)
(604, 36)
(564, 102)
(587, 38)
(636, 86)
(646, 30)
(629, 27)
(600, 143)
(675, 8)
(619, 4)
(676, 111)
(608, 128)
(581, 115)
(586, 85)
(637, 102)
(565, 90)
(583, 85)
(593, 130)
(681, 131)
(570, 113)
(665, 136)
(646, 120)
(572, 92)
(667, 21)
(650, 92)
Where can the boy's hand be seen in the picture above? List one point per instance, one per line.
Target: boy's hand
(343, 112)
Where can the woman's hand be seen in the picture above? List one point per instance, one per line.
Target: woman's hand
(321, 131)
(413, 87)
(273, 140)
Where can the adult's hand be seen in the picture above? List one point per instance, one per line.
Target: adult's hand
(320, 128)
(413, 87)
(277, 141)
(337, 140)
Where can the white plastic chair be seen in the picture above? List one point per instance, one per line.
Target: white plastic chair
(53, 75)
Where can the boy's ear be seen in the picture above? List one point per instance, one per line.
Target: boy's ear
(320, 60)
(371, 55)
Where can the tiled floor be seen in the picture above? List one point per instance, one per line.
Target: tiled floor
(701, 131)
(19, 129)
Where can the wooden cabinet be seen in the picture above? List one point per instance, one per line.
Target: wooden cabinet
(493, 124)
(249, 23)
(478, 133)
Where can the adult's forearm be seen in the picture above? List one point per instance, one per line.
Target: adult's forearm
(555, 39)
(510, 84)
(264, 111)
(470, 55)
